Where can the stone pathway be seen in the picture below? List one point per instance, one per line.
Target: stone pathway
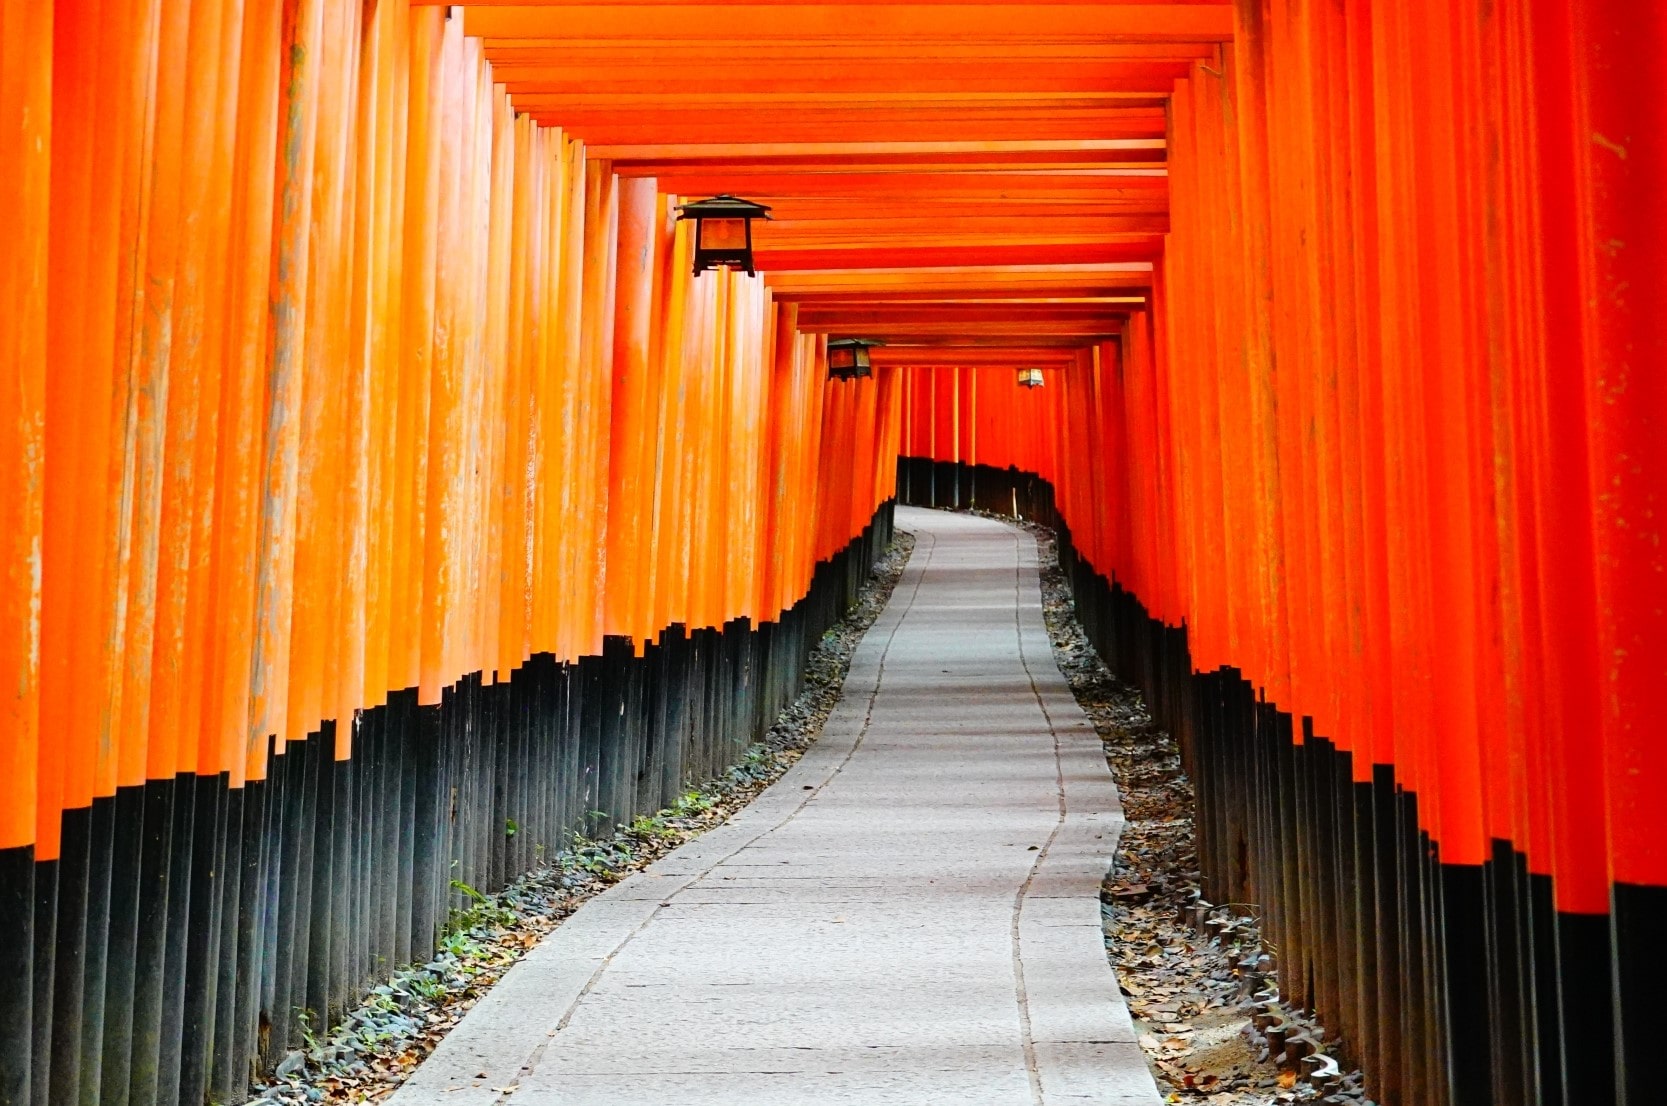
(910, 915)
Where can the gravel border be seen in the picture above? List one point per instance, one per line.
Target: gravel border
(380, 1043)
(1200, 982)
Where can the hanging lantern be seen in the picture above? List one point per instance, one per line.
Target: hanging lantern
(1030, 378)
(848, 358)
(723, 231)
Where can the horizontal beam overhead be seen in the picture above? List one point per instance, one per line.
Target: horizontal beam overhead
(847, 22)
(915, 296)
(1140, 78)
(924, 256)
(583, 53)
(1000, 312)
(941, 173)
(1014, 228)
(967, 155)
(926, 351)
(938, 285)
(972, 331)
(941, 342)
(922, 185)
(794, 124)
(982, 219)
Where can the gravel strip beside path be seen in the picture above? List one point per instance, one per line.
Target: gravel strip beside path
(1192, 996)
(402, 1021)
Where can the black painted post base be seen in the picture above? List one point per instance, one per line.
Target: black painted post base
(189, 931)
(1455, 985)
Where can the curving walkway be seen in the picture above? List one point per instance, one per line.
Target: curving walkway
(910, 915)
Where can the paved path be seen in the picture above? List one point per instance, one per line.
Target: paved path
(910, 915)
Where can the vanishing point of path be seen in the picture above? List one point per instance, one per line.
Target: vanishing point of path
(910, 915)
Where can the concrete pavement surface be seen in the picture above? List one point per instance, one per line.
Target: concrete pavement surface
(910, 915)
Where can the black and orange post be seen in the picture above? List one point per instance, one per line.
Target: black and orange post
(1438, 788)
(366, 440)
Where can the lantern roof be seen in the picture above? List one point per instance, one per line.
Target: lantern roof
(723, 206)
(854, 343)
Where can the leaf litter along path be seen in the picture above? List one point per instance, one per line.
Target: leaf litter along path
(382, 1042)
(1185, 990)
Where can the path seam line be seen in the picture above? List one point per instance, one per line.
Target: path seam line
(1032, 1065)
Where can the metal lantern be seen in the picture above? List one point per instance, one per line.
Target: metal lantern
(1030, 378)
(848, 358)
(723, 231)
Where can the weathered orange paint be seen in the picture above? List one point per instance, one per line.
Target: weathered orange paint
(26, 148)
(1299, 425)
(333, 368)
(429, 412)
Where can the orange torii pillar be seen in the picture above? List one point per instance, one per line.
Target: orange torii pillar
(1371, 508)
